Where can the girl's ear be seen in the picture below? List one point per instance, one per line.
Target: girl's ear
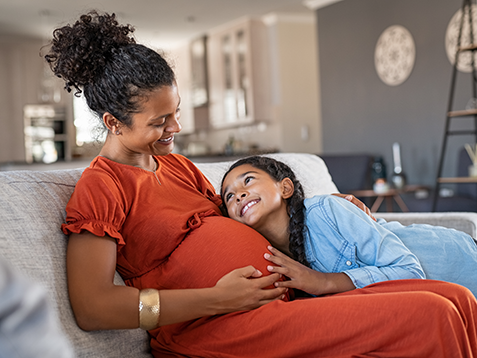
(287, 188)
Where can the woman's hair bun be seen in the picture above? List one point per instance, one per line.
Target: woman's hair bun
(79, 52)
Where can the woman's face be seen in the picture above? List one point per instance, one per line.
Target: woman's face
(252, 197)
(152, 130)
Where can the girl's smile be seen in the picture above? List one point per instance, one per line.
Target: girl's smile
(247, 206)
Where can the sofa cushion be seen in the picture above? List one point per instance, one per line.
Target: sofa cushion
(462, 221)
(32, 208)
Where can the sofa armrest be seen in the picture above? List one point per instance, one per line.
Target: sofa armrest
(463, 221)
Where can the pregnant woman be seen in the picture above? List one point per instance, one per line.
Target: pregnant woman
(195, 279)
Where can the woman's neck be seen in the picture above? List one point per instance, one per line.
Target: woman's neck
(115, 154)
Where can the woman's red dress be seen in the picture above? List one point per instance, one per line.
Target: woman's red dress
(170, 234)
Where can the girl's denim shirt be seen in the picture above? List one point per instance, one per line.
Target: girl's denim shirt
(342, 238)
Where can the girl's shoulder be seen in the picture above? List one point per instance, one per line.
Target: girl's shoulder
(329, 205)
(327, 198)
(320, 200)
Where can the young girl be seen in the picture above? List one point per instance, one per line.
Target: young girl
(345, 247)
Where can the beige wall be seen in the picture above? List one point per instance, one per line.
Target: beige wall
(295, 85)
(18, 65)
(179, 58)
(21, 70)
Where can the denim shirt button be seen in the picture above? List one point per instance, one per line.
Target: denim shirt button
(348, 263)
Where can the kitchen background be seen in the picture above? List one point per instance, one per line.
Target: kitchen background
(296, 80)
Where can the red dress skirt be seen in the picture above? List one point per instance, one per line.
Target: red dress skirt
(407, 318)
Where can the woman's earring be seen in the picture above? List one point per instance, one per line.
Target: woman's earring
(117, 132)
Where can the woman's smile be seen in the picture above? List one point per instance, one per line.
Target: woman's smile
(166, 141)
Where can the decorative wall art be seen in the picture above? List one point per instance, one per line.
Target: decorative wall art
(452, 33)
(394, 55)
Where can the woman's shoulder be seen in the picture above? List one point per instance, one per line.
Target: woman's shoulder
(175, 159)
(103, 182)
(180, 165)
(100, 171)
(99, 167)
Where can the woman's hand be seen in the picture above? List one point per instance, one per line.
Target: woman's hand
(305, 279)
(246, 289)
(358, 203)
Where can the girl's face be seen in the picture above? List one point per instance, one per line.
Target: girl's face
(254, 198)
(152, 130)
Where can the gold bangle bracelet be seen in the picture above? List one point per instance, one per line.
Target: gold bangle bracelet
(149, 308)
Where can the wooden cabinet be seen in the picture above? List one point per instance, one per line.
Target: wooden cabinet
(238, 74)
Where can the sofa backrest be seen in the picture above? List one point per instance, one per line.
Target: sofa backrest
(32, 208)
(310, 169)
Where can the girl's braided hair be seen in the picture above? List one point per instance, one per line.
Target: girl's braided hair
(296, 209)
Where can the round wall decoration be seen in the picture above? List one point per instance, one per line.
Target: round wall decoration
(452, 32)
(394, 55)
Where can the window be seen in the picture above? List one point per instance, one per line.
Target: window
(85, 122)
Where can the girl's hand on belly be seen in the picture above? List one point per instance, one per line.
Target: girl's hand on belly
(245, 289)
(306, 279)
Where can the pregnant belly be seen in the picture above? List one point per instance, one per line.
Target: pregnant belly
(217, 247)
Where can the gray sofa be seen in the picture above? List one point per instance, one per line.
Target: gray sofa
(32, 209)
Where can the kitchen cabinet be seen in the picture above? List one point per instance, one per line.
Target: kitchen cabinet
(238, 74)
(46, 133)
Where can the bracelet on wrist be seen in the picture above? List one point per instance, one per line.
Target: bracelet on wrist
(149, 309)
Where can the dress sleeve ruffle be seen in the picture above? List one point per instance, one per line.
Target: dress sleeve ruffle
(97, 228)
(97, 205)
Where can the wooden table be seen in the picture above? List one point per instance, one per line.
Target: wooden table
(458, 180)
(389, 196)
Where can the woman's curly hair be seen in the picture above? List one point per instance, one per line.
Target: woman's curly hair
(99, 57)
(296, 208)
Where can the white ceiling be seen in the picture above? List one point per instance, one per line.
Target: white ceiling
(160, 23)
